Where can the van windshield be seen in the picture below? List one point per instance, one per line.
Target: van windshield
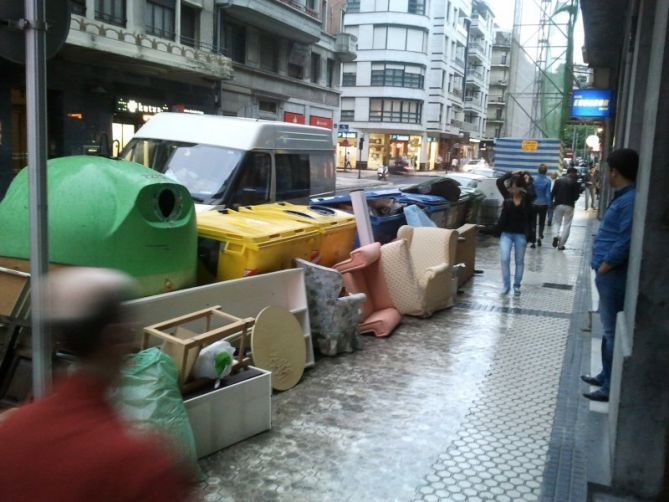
(205, 170)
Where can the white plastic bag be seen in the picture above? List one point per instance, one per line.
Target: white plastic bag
(214, 361)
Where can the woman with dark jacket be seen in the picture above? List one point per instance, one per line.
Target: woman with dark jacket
(515, 225)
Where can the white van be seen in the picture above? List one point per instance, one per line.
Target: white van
(233, 161)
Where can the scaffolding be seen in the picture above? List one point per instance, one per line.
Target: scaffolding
(541, 68)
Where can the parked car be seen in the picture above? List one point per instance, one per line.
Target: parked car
(492, 204)
(475, 164)
(232, 161)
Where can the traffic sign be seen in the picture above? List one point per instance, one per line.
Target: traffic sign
(342, 127)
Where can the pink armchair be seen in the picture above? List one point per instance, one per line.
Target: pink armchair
(362, 274)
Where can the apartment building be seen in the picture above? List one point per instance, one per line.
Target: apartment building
(125, 60)
(499, 82)
(405, 94)
(479, 53)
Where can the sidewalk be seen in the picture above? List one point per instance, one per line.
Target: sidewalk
(461, 406)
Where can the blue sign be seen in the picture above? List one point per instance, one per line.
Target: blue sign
(591, 103)
(342, 127)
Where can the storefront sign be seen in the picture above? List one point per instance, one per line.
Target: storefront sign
(529, 145)
(399, 137)
(342, 127)
(182, 109)
(347, 135)
(320, 122)
(295, 118)
(125, 105)
(430, 139)
(591, 103)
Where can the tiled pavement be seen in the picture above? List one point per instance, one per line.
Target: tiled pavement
(457, 407)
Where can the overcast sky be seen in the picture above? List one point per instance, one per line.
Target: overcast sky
(503, 10)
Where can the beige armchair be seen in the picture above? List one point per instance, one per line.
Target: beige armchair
(418, 269)
(466, 251)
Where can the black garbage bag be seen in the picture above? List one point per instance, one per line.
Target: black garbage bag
(445, 187)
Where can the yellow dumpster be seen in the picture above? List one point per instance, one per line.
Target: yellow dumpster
(233, 245)
(337, 227)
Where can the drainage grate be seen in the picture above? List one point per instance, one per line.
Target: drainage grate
(554, 285)
(483, 307)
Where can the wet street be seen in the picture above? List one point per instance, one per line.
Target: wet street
(460, 406)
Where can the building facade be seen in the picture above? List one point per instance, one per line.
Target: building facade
(125, 60)
(404, 95)
(499, 82)
(479, 54)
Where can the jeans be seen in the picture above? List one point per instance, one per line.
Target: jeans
(563, 215)
(611, 288)
(519, 242)
(540, 211)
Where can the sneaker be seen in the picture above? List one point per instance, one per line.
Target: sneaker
(539, 242)
(533, 245)
(556, 240)
(541, 236)
(516, 291)
(504, 292)
(561, 248)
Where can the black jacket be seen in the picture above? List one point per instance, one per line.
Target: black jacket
(504, 221)
(566, 191)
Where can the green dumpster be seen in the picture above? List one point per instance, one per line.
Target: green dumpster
(474, 209)
(109, 213)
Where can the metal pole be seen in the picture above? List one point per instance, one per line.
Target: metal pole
(37, 149)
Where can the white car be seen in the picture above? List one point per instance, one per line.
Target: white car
(475, 164)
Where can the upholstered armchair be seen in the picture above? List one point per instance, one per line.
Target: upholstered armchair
(334, 319)
(362, 274)
(419, 269)
(466, 251)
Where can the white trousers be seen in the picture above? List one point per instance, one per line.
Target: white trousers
(562, 216)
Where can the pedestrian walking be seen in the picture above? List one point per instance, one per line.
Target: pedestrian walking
(514, 227)
(542, 202)
(566, 192)
(72, 445)
(549, 213)
(610, 254)
(591, 187)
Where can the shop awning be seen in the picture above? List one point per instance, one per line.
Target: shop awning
(604, 26)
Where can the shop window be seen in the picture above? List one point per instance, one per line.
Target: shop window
(110, 11)
(253, 185)
(295, 71)
(269, 54)
(330, 72)
(190, 18)
(78, 7)
(315, 67)
(395, 110)
(159, 18)
(348, 80)
(416, 7)
(232, 41)
(292, 176)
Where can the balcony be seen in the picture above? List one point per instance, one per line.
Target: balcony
(469, 127)
(478, 25)
(495, 120)
(496, 100)
(456, 94)
(501, 40)
(499, 82)
(457, 123)
(187, 57)
(476, 51)
(291, 19)
(459, 62)
(503, 63)
(473, 102)
(476, 78)
(345, 47)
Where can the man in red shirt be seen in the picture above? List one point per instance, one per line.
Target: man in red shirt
(72, 446)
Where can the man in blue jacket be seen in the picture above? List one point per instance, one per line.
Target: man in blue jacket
(542, 190)
(610, 253)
